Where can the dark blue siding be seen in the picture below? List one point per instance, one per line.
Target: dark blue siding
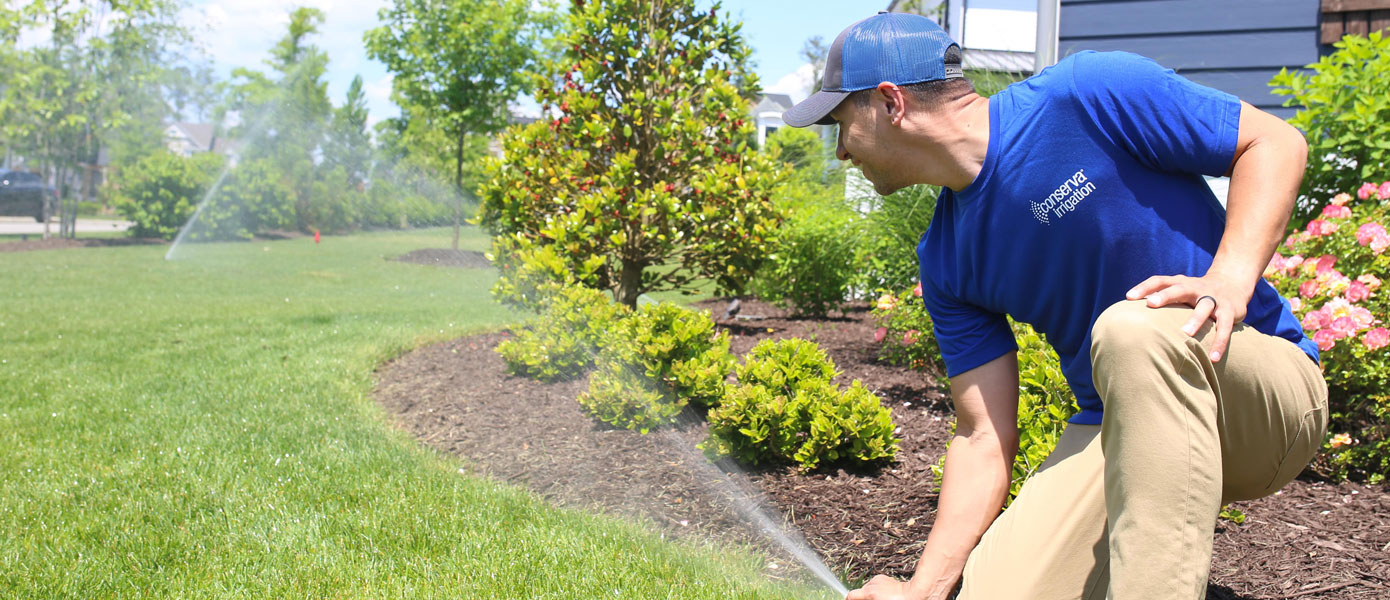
(1232, 45)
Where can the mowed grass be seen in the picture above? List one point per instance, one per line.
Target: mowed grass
(203, 428)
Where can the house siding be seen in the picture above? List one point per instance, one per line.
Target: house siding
(1232, 45)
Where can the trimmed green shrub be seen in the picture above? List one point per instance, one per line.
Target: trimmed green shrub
(1332, 277)
(529, 275)
(252, 199)
(564, 340)
(786, 410)
(1344, 111)
(160, 191)
(812, 262)
(656, 362)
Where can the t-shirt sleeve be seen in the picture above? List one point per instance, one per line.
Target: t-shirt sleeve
(1163, 119)
(969, 336)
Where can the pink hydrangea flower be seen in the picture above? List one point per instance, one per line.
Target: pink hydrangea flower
(1341, 199)
(1368, 231)
(1376, 339)
(880, 333)
(1370, 280)
(1366, 190)
(1325, 339)
(1357, 291)
(910, 337)
(1308, 289)
(1333, 211)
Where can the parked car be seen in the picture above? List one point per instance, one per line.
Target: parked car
(22, 194)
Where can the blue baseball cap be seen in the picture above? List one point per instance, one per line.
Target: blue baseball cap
(898, 48)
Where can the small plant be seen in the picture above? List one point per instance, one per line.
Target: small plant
(905, 332)
(1344, 111)
(563, 341)
(654, 364)
(1331, 271)
(785, 409)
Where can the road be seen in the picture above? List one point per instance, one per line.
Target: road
(22, 225)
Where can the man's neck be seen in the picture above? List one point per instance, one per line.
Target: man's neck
(955, 142)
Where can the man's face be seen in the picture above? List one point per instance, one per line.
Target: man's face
(862, 143)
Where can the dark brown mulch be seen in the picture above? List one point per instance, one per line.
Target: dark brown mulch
(443, 257)
(64, 243)
(1312, 540)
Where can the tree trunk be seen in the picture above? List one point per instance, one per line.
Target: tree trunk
(630, 283)
(458, 186)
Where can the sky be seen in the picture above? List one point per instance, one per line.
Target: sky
(240, 34)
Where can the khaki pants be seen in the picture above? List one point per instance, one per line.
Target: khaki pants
(1126, 510)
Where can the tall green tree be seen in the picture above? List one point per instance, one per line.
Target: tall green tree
(643, 178)
(349, 145)
(458, 63)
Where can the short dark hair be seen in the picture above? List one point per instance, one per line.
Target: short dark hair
(930, 94)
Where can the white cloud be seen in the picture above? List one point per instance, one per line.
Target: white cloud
(796, 84)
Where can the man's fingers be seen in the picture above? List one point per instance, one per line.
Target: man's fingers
(1149, 286)
(1200, 313)
(1224, 324)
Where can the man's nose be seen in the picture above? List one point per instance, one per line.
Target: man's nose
(840, 151)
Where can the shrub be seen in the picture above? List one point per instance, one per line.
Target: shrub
(160, 191)
(656, 362)
(1045, 400)
(786, 410)
(1333, 275)
(1344, 110)
(563, 342)
(529, 276)
(886, 255)
(252, 199)
(812, 261)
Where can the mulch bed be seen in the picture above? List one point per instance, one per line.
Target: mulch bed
(57, 243)
(1312, 540)
(443, 257)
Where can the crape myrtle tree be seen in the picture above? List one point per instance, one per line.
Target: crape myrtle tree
(641, 177)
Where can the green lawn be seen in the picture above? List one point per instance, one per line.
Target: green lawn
(203, 428)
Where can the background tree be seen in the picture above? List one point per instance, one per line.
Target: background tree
(643, 178)
(458, 63)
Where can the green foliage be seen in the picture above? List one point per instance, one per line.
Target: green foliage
(160, 192)
(564, 340)
(252, 199)
(528, 277)
(1332, 275)
(1045, 400)
(887, 251)
(656, 362)
(1344, 111)
(647, 166)
(785, 409)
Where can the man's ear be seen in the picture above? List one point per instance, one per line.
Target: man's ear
(893, 100)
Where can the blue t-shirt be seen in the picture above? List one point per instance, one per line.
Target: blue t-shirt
(1092, 183)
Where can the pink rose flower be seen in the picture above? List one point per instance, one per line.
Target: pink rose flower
(1292, 262)
(1362, 317)
(1318, 228)
(887, 302)
(1342, 327)
(1312, 321)
(910, 337)
(1380, 242)
(1366, 190)
(1370, 280)
(1325, 264)
(1276, 264)
(1325, 339)
(1295, 304)
(1339, 440)
(917, 291)
(1333, 211)
(1376, 339)
(1341, 199)
(1384, 190)
(1308, 289)
(880, 333)
(1368, 231)
(1357, 291)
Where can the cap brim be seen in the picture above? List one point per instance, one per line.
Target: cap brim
(814, 110)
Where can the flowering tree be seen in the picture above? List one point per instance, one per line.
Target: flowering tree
(1332, 273)
(642, 176)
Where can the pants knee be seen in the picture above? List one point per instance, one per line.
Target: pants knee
(1131, 325)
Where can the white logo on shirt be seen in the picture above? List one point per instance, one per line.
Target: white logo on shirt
(1063, 199)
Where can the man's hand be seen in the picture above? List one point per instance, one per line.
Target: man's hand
(882, 587)
(1211, 297)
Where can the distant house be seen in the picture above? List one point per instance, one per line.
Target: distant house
(991, 38)
(767, 114)
(187, 139)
